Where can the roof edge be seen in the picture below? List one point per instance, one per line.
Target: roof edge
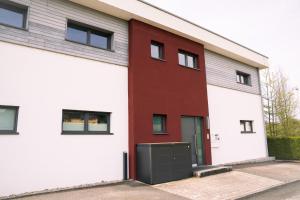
(146, 12)
(188, 21)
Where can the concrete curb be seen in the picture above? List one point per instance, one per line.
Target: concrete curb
(65, 189)
(290, 161)
(252, 161)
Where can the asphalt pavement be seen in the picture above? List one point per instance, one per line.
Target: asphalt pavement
(289, 191)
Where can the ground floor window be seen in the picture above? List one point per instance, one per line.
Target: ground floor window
(85, 122)
(159, 124)
(246, 126)
(8, 119)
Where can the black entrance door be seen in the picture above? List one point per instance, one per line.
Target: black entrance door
(191, 132)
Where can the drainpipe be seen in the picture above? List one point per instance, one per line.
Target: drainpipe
(125, 168)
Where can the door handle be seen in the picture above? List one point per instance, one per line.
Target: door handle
(196, 146)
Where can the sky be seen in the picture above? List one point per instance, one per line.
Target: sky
(270, 27)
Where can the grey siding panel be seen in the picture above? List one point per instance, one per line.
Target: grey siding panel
(221, 71)
(47, 28)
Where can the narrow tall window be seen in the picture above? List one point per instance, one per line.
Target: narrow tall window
(243, 78)
(159, 124)
(8, 119)
(246, 126)
(157, 50)
(13, 14)
(84, 122)
(187, 59)
(85, 34)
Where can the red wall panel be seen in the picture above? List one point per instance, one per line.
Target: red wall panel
(162, 87)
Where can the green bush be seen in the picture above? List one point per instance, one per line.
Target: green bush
(284, 148)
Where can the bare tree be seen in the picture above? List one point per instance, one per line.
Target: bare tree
(280, 103)
(268, 94)
(285, 102)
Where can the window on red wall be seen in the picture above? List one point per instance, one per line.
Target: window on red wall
(188, 59)
(157, 50)
(159, 124)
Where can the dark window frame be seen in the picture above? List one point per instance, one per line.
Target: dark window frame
(244, 124)
(164, 124)
(161, 48)
(86, 117)
(90, 30)
(14, 131)
(18, 8)
(186, 54)
(245, 75)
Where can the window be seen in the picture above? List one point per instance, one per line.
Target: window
(157, 50)
(8, 119)
(13, 14)
(243, 78)
(159, 124)
(84, 122)
(187, 59)
(84, 34)
(246, 126)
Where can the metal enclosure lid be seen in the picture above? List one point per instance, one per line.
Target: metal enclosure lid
(163, 143)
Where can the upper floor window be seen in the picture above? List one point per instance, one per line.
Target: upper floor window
(8, 119)
(243, 78)
(84, 122)
(88, 35)
(246, 126)
(13, 14)
(157, 50)
(159, 124)
(188, 59)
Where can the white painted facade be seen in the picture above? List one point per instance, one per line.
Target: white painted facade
(42, 83)
(226, 108)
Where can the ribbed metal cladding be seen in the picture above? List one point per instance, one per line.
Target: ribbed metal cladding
(221, 71)
(46, 28)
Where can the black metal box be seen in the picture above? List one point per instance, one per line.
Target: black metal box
(163, 162)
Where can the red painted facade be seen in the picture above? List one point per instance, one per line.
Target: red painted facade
(162, 87)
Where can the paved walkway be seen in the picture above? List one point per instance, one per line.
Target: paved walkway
(124, 191)
(244, 180)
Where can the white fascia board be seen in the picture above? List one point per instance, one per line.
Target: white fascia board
(142, 11)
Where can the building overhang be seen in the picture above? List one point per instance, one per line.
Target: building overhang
(147, 13)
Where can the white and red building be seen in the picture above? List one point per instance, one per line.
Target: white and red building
(82, 81)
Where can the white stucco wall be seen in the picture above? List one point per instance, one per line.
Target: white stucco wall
(43, 83)
(226, 108)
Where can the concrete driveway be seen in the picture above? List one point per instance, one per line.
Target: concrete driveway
(243, 181)
(288, 191)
